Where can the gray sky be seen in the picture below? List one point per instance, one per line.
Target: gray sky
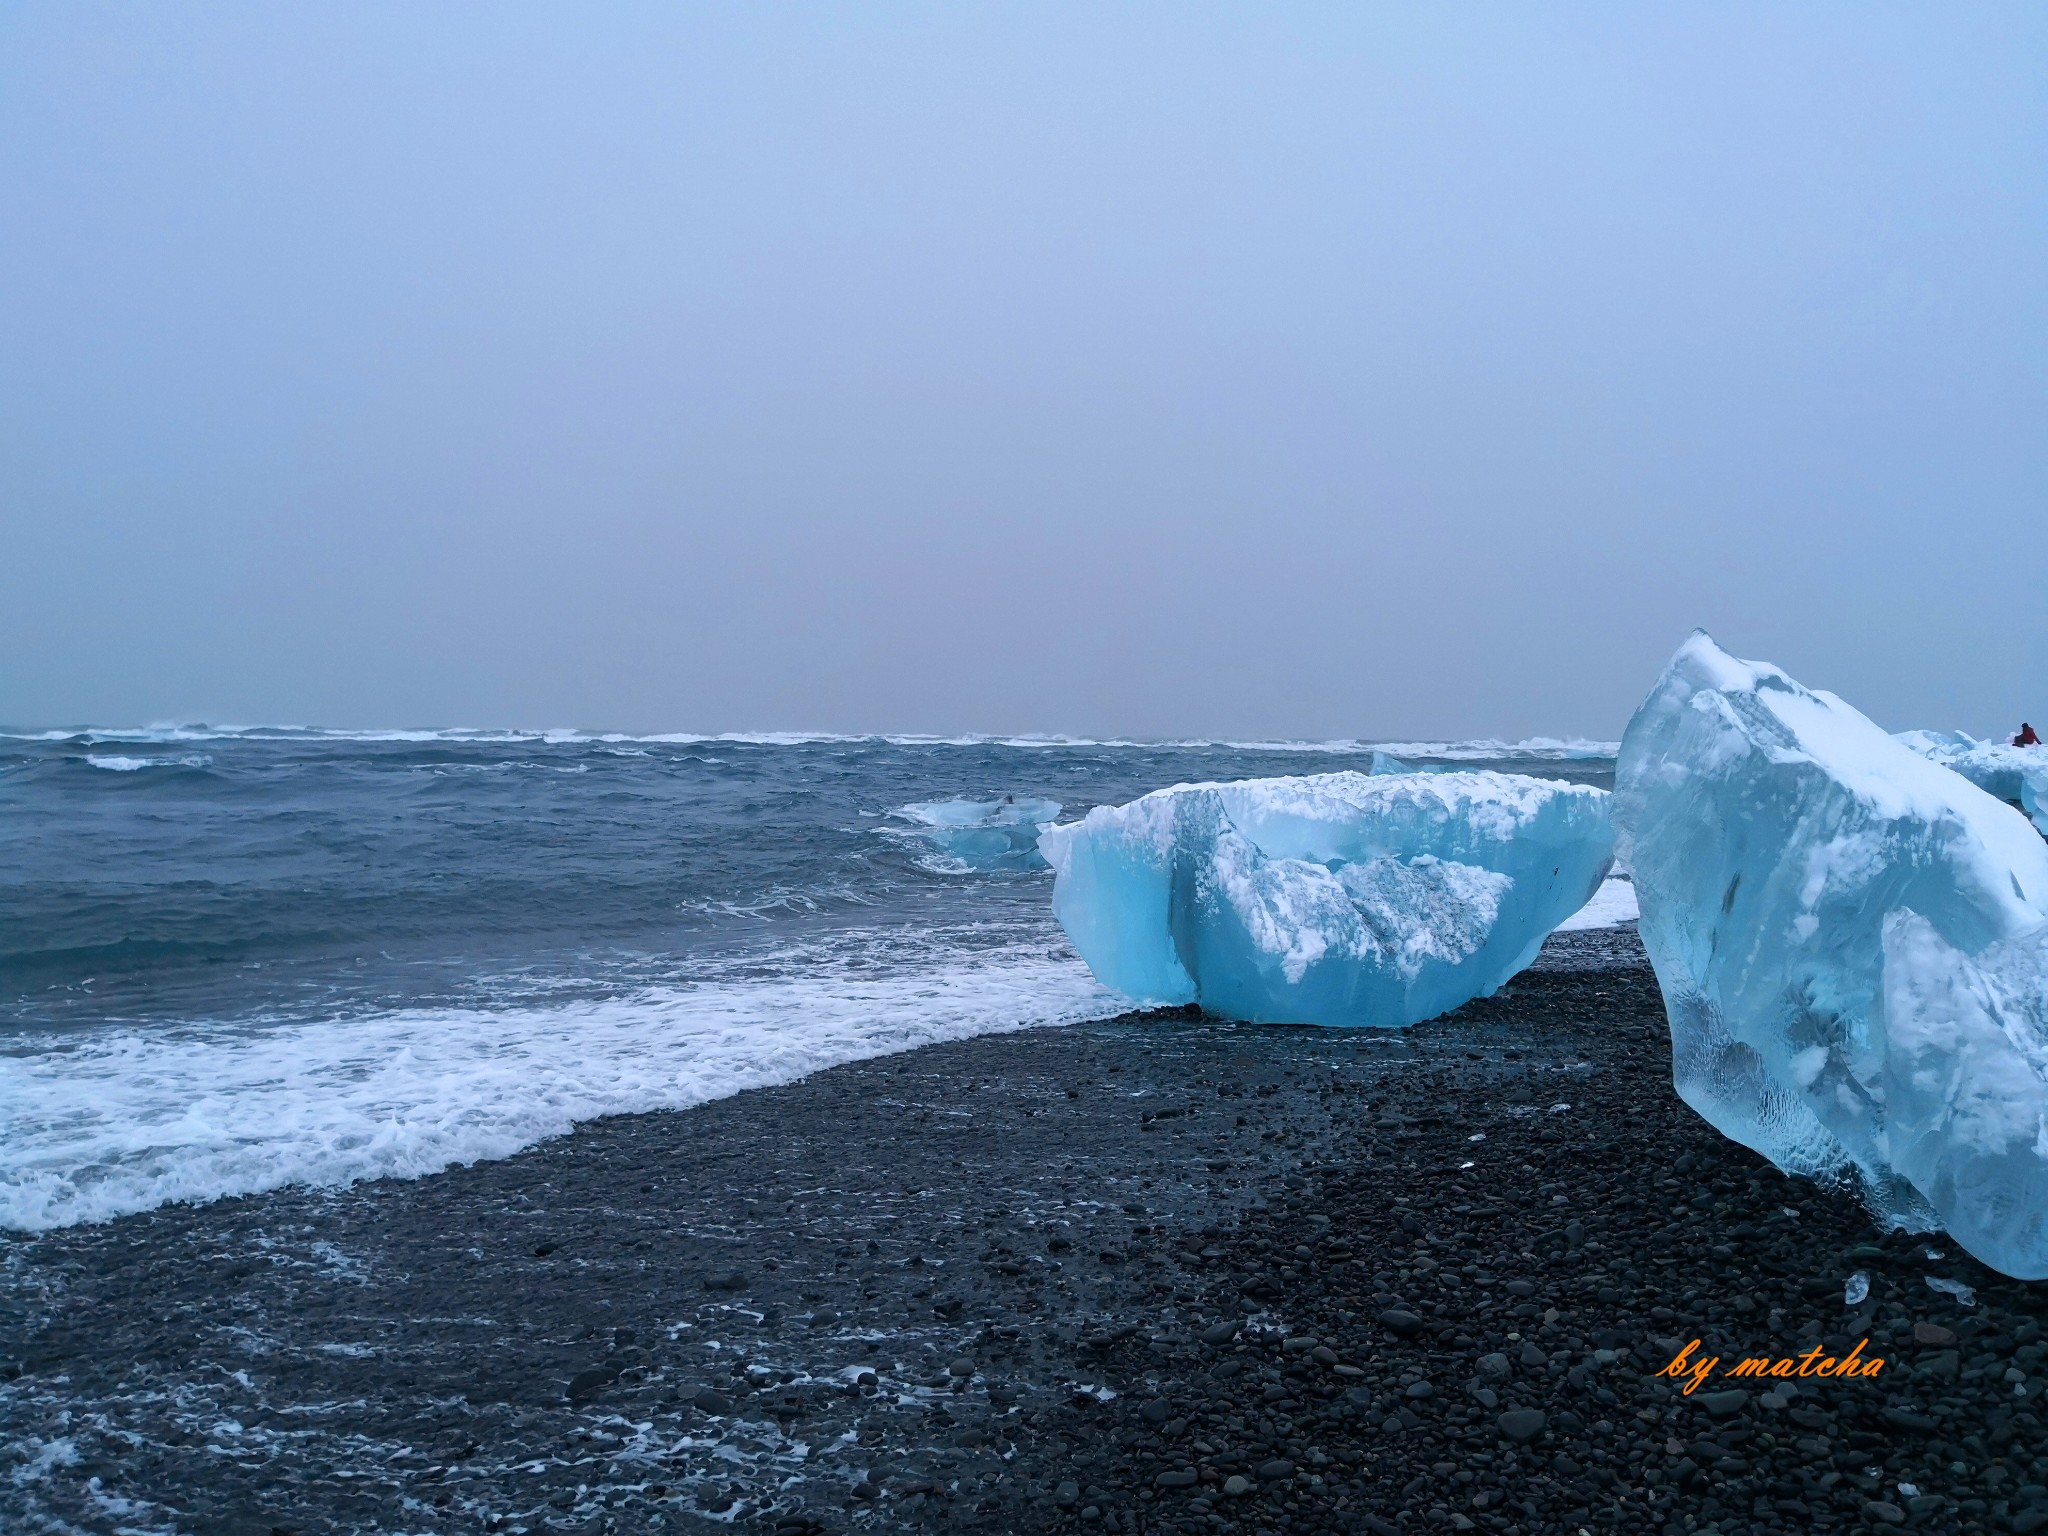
(1165, 369)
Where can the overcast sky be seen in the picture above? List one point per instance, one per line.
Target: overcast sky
(1156, 369)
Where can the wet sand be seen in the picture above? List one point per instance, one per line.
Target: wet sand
(1155, 1273)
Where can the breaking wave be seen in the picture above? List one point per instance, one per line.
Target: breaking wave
(117, 764)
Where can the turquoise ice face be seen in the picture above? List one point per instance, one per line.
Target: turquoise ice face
(1853, 945)
(1340, 899)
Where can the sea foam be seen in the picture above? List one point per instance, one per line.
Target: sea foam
(132, 1118)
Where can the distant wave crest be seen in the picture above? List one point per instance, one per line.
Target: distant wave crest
(115, 764)
(1551, 748)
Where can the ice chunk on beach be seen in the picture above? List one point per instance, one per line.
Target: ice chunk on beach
(1853, 947)
(984, 835)
(2016, 775)
(1338, 898)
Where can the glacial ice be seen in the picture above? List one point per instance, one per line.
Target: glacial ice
(984, 835)
(1853, 946)
(2016, 775)
(1337, 898)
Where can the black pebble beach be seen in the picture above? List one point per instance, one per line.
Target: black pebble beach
(1154, 1274)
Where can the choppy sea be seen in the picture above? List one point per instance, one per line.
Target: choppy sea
(234, 959)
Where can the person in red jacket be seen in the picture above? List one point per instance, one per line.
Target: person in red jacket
(2026, 737)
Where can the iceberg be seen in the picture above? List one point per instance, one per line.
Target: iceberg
(983, 835)
(1853, 947)
(1337, 898)
(2016, 775)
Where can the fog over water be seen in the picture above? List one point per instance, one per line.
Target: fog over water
(1143, 370)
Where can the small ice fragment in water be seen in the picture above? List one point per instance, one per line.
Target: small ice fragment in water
(1935, 1254)
(1857, 1290)
(984, 835)
(1385, 765)
(1909, 1490)
(1477, 1136)
(1463, 1166)
(1955, 1288)
(1558, 1109)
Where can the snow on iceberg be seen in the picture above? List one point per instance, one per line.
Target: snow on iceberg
(1853, 946)
(1336, 898)
(984, 835)
(2016, 775)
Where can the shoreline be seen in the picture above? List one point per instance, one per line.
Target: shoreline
(1055, 1279)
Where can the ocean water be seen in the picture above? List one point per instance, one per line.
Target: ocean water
(234, 959)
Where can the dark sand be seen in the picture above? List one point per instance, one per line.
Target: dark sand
(993, 1286)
